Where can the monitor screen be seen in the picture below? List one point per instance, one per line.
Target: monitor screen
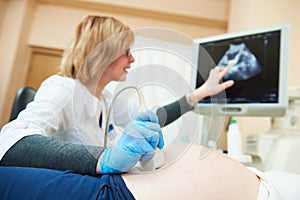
(258, 61)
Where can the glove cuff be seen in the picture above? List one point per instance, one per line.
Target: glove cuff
(116, 161)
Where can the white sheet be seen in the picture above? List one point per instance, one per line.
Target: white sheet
(278, 185)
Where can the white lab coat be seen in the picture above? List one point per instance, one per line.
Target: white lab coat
(63, 108)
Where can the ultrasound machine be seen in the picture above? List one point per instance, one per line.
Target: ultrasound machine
(259, 67)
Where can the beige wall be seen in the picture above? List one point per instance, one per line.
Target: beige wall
(14, 51)
(3, 4)
(212, 9)
(46, 18)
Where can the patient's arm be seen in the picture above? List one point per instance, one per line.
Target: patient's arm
(214, 177)
(44, 152)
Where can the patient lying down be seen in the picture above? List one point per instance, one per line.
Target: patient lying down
(214, 177)
(217, 176)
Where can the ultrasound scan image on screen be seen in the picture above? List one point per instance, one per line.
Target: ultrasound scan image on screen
(244, 64)
(254, 66)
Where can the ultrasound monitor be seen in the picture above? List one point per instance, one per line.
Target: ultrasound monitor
(258, 61)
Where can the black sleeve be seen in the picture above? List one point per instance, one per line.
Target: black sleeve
(169, 113)
(44, 152)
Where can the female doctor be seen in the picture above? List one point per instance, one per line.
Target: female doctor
(67, 108)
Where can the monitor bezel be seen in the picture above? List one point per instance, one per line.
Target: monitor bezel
(259, 109)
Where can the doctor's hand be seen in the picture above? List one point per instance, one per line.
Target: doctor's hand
(138, 142)
(212, 85)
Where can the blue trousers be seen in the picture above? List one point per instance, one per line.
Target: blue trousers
(33, 183)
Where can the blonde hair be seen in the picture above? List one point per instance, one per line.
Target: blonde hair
(96, 43)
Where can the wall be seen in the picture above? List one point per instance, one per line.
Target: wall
(3, 4)
(195, 8)
(46, 18)
(14, 51)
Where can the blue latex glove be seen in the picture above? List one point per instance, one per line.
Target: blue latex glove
(138, 142)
